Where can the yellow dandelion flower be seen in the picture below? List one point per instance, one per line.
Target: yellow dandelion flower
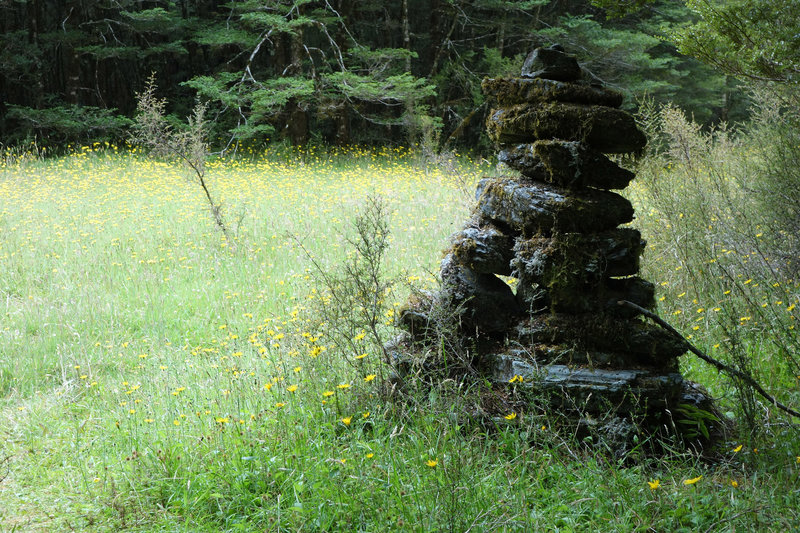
(692, 481)
(279, 404)
(362, 356)
(654, 484)
(370, 455)
(268, 386)
(734, 483)
(346, 420)
(360, 336)
(292, 388)
(369, 378)
(737, 449)
(432, 463)
(510, 416)
(328, 393)
(343, 386)
(176, 422)
(221, 420)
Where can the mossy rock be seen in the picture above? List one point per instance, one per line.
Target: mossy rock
(588, 389)
(511, 91)
(484, 301)
(603, 297)
(637, 343)
(551, 63)
(602, 128)
(484, 249)
(534, 208)
(578, 259)
(565, 163)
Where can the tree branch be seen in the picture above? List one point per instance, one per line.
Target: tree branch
(719, 365)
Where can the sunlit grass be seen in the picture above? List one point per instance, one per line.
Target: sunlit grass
(154, 376)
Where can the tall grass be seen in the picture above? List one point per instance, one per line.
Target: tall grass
(154, 378)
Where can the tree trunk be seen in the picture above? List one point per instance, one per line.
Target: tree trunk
(406, 34)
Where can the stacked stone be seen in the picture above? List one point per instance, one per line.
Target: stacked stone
(556, 230)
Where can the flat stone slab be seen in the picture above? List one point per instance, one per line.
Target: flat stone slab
(511, 91)
(591, 389)
(641, 343)
(565, 163)
(484, 249)
(601, 297)
(578, 259)
(602, 128)
(535, 208)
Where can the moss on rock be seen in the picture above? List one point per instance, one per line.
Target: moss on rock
(511, 91)
(602, 128)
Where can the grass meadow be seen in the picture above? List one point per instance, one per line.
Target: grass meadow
(156, 377)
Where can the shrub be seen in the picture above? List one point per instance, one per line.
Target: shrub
(723, 212)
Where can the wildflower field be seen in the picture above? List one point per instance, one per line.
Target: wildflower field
(155, 376)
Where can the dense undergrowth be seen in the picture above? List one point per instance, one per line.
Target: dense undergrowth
(156, 377)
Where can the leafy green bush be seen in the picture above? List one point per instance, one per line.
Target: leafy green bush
(65, 124)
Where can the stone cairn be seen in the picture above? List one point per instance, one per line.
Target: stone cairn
(556, 230)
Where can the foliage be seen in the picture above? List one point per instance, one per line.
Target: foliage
(751, 39)
(62, 125)
(353, 305)
(746, 38)
(341, 72)
(716, 203)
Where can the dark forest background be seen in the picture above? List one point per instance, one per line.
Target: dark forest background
(332, 71)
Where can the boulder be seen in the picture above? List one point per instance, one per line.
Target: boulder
(565, 163)
(602, 128)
